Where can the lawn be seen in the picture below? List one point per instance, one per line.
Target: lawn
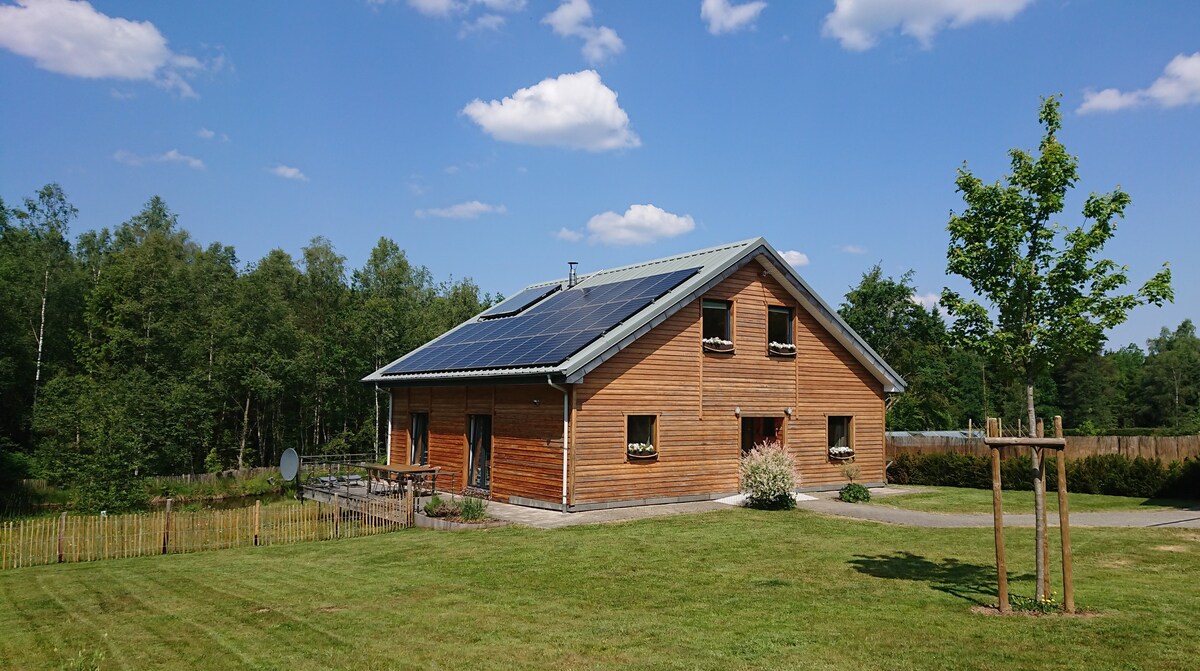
(965, 500)
(736, 589)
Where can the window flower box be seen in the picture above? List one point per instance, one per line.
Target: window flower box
(641, 451)
(781, 348)
(717, 345)
(841, 453)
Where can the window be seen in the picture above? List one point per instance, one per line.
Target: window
(641, 435)
(779, 325)
(717, 324)
(839, 432)
(418, 436)
(479, 452)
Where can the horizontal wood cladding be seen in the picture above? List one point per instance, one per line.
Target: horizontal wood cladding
(526, 436)
(694, 394)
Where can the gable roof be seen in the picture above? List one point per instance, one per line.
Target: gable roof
(701, 271)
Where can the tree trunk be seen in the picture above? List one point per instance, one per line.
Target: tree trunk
(245, 430)
(1039, 496)
(41, 339)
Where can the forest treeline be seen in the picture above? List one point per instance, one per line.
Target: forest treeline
(138, 351)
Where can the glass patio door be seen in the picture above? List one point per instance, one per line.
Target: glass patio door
(479, 452)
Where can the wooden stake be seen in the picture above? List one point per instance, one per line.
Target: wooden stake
(62, 530)
(166, 538)
(1064, 522)
(257, 527)
(1041, 433)
(993, 428)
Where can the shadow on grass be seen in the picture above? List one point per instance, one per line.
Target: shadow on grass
(970, 582)
(1181, 504)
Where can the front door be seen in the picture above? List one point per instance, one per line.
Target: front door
(479, 452)
(756, 430)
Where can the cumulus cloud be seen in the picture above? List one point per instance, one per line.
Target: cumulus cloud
(641, 224)
(172, 156)
(1178, 85)
(573, 18)
(858, 24)
(853, 249)
(486, 23)
(724, 17)
(288, 172)
(469, 210)
(72, 38)
(795, 259)
(568, 235)
(575, 110)
(437, 7)
(927, 301)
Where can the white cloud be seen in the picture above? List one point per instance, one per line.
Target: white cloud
(439, 8)
(172, 156)
(858, 24)
(573, 18)
(72, 38)
(576, 111)
(288, 172)
(853, 249)
(927, 301)
(568, 235)
(795, 259)
(1178, 85)
(205, 134)
(469, 210)
(486, 23)
(641, 224)
(725, 17)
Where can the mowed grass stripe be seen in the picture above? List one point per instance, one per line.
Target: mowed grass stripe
(731, 589)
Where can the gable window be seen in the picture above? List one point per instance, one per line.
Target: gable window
(641, 436)
(841, 437)
(419, 438)
(717, 325)
(780, 340)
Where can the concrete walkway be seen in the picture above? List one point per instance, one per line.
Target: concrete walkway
(826, 503)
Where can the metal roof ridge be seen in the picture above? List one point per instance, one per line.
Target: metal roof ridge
(643, 264)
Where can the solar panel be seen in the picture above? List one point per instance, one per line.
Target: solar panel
(545, 334)
(519, 302)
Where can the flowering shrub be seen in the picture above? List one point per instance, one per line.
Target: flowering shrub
(640, 448)
(1047, 605)
(783, 346)
(717, 342)
(768, 476)
(841, 452)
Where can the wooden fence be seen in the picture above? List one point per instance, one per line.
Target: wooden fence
(79, 538)
(1165, 448)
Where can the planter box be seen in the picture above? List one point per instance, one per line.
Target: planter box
(720, 349)
(641, 456)
(779, 351)
(841, 457)
(426, 522)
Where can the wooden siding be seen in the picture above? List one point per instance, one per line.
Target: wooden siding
(526, 437)
(694, 394)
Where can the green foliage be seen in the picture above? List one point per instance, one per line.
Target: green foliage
(472, 509)
(1046, 605)
(854, 493)
(438, 507)
(1046, 296)
(768, 476)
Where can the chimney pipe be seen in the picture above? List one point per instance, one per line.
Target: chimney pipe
(572, 280)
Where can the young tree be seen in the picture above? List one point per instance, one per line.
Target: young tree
(1045, 295)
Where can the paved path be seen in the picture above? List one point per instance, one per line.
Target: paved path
(824, 502)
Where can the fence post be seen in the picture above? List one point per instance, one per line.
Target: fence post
(257, 510)
(993, 430)
(337, 516)
(166, 527)
(62, 530)
(1064, 522)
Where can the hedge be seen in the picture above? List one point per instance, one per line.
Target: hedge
(1113, 474)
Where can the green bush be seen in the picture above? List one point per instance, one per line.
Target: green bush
(854, 493)
(471, 509)
(1111, 474)
(768, 477)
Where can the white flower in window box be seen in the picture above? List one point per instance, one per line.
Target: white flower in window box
(841, 452)
(781, 348)
(641, 451)
(715, 344)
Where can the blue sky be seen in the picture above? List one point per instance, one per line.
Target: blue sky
(498, 139)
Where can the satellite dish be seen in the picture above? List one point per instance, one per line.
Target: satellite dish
(289, 464)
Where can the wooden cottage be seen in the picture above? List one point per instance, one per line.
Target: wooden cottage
(642, 384)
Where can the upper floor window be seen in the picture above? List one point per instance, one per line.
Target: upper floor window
(779, 330)
(717, 325)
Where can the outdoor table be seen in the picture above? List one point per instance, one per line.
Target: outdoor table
(403, 473)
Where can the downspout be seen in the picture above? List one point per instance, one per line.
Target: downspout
(388, 457)
(566, 433)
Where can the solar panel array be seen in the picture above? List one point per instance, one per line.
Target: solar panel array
(546, 334)
(519, 302)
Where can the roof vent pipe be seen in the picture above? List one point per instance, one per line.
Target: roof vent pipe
(572, 280)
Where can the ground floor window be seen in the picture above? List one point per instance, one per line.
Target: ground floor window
(758, 430)
(841, 437)
(419, 438)
(479, 452)
(641, 434)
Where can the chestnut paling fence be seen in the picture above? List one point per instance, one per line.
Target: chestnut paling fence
(80, 538)
(1165, 448)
